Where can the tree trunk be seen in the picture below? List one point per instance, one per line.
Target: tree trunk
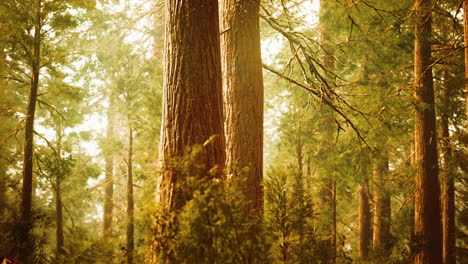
(465, 30)
(382, 213)
(59, 221)
(299, 155)
(3, 192)
(243, 96)
(448, 188)
(428, 229)
(365, 236)
(130, 209)
(3, 175)
(58, 200)
(109, 173)
(333, 226)
(412, 239)
(26, 196)
(192, 94)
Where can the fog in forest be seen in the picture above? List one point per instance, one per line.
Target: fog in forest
(233, 131)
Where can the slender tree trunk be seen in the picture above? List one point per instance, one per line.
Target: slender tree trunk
(243, 95)
(333, 227)
(428, 228)
(382, 213)
(59, 220)
(448, 188)
(3, 193)
(365, 236)
(285, 233)
(308, 173)
(26, 197)
(411, 206)
(109, 173)
(130, 208)
(58, 201)
(192, 94)
(3, 176)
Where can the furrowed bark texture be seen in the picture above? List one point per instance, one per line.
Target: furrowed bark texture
(382, 213)
(365, 236)
(428, 228)
(243, 96)
(448, 186)
(192, 95)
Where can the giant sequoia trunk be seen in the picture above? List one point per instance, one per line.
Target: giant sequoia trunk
(243, 96)
(130, 209)
(448, 188)
(109, 173)
(192, 95)
(26, 196)
(382, 213)
(365, 234)
(428, 231)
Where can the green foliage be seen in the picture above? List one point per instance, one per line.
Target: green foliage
(212, 226)
(289, 219)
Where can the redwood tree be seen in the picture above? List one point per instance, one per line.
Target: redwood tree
(428, 230)
(382, 213)
(192, 93)
(448, 186)
(243, 96)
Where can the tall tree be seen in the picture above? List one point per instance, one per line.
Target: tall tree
(448, 186)
(192, 93)
(382, 212)
(26, 198)
(243, 96)
(28, 55)
(428, 229)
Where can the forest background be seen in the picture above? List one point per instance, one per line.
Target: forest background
(345, 142)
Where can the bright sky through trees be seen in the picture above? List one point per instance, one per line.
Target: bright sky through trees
(233, 131)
